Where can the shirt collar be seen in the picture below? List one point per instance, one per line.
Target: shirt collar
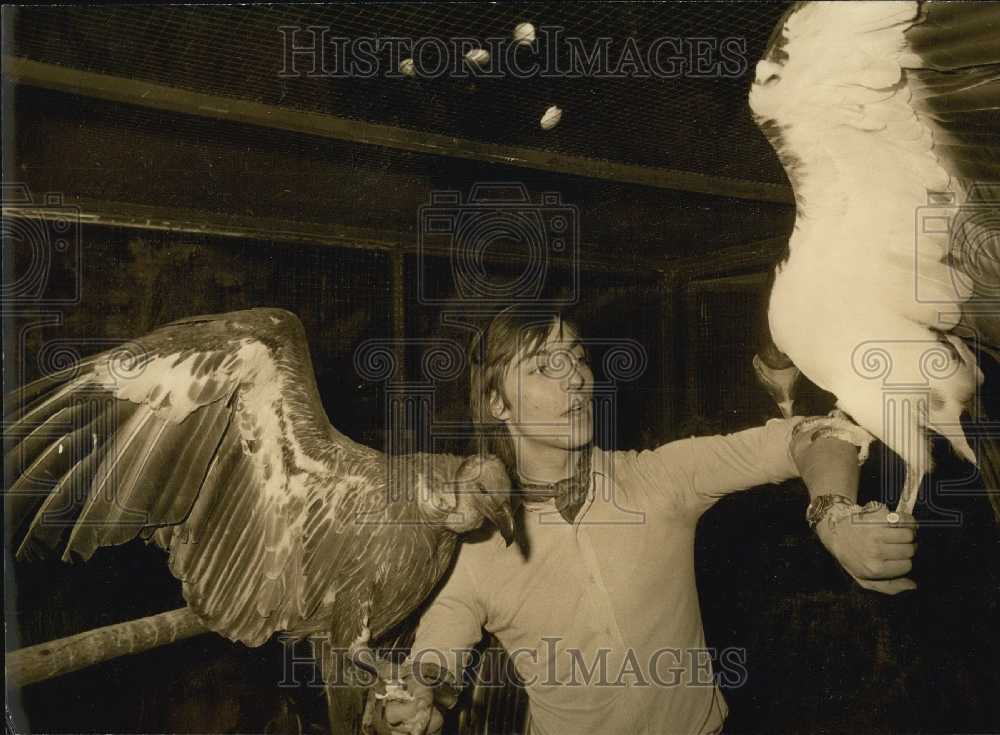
(546, 509)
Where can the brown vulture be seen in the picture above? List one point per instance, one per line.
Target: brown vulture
(207, 437)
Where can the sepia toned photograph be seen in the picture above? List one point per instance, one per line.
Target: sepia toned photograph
(501, 368)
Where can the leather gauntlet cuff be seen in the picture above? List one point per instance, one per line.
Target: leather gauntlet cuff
(837, 425)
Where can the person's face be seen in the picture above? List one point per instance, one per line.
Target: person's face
(549, 393)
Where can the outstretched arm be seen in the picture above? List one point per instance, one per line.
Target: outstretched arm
(824, 452)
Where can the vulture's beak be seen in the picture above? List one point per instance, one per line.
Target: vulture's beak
(502, 517)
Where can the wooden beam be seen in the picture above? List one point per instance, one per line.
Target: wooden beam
(755, 281)
(756, 256)
(172, 99)
(55, 658)
(202, 222)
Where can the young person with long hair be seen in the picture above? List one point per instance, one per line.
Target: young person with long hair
(596, 602)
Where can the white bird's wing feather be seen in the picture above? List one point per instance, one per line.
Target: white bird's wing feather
(870, 282)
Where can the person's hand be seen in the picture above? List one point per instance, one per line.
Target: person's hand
(418, 716)
(876, 553)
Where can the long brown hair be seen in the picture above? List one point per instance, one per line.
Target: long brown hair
(523, 327)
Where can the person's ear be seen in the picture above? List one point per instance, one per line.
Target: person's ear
(498, 406)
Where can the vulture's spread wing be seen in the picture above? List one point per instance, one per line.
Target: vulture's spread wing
(208, 437)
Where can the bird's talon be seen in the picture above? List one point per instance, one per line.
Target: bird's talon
(395, 691)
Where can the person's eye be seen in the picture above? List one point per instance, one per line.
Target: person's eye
(541, 367)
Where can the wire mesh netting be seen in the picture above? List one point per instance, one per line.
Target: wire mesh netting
(112, 152)
(638, 83)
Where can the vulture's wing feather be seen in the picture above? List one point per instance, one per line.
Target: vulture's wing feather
(388, 553)
(209, 437)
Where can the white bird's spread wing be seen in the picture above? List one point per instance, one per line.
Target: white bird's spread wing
(884, 115)
(956, 93)
(209, 437)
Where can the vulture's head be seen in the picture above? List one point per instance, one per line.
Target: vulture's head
(482, 493)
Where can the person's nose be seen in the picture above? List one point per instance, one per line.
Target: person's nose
(578, 376)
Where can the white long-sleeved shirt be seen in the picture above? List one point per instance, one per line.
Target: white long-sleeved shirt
(601, 617)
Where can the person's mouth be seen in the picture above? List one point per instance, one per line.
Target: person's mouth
(577, 407)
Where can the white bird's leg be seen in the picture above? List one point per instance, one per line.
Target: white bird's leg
(911, 487)
(907, 436)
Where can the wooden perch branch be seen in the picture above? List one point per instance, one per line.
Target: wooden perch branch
(55, 658)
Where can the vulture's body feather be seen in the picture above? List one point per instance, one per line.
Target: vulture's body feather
(885, 117)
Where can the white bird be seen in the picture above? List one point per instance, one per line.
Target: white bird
(885, 118)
